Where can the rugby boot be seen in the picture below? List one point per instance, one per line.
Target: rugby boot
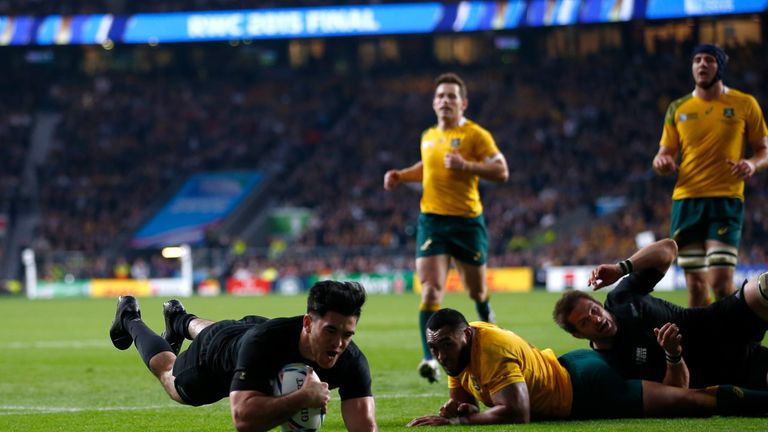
(127, 307)
(430, 370)
(171, 310)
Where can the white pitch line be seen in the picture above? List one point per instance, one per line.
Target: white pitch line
(15, 410)
(407, 395)
(57, 344)
(23, 410)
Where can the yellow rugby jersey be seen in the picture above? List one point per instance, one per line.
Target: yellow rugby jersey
(708, 133)
(500, 358)
(447, 192)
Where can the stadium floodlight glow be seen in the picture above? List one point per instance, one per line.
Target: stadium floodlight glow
(171, 252)
(184, 254)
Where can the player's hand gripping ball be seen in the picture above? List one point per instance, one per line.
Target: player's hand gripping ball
(290, 378)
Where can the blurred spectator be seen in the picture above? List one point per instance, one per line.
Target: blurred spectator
(139, 269)
(122, 269)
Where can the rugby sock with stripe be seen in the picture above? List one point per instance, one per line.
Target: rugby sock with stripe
(147, 342)
(738, 401)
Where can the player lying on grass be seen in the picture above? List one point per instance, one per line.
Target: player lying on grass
(239, 358)
(653, 339)
(521, 383)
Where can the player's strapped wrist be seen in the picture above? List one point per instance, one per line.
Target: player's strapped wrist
(626, 266)
(673, 359)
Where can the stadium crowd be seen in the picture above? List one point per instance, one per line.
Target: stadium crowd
(16, 120)
(570, 139)
(15, 127)
(574, 130)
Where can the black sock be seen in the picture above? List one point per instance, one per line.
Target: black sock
(147, 342)
(738, 401)
(181, 324)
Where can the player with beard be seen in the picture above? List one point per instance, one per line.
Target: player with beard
(520, 383)
(240, 358)
(707, 129)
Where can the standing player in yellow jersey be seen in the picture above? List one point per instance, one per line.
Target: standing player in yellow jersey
(520, 383)
(455, 154)
(708, 128)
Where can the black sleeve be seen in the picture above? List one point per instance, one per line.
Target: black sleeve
(252, 366)
(357, 378)
(639, 283)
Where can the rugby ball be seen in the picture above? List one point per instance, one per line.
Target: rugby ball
(290, 378)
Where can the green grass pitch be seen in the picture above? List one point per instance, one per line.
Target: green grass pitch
(59, 371)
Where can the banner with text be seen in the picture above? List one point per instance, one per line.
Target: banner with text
(344, 20)
(658, 9)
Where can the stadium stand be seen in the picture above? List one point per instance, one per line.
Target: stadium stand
(19, 100)
(575, 130)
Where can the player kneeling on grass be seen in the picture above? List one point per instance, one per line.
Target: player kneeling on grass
(521, 383)
(240, 358)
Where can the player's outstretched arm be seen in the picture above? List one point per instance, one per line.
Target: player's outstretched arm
(254, 411)
(454, 411)
(359, 414)
(510, 405)
(604, 275)
(659, 255)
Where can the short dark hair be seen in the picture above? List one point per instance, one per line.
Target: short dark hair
(565, 306)
(450, 318)
(452, 78)
(345, 298)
